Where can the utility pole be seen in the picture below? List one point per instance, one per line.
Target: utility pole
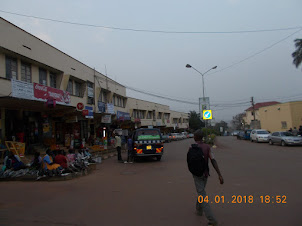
(253, 105)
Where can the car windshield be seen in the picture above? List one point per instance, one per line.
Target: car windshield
(286, 134)
(148, 135)
(262, 132)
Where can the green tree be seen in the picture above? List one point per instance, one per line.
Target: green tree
(194, 121)
(297, 55)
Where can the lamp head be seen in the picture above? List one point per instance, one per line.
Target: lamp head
(214, 67)
(188, 66)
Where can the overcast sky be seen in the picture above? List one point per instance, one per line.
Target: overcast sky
(155, 62)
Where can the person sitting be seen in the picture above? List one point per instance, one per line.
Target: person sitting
(49, 166)
(61, 159)
(14, 162)
(37, 161)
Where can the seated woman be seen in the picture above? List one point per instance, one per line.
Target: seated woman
(48, 164)
(37, 161)
(14, 162)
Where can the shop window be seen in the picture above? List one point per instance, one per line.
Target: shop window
(53, 80)
(70, 87)
(42, 77)
(284, 125)
(25, 72)
(159, 115)
(77, 90)
(103, 96)
(90, 93)
(149, 115)
(11, 68)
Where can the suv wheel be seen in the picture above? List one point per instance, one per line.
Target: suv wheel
(158, 158)
(251, 139)
(270, 142)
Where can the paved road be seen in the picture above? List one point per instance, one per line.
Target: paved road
(162, 193)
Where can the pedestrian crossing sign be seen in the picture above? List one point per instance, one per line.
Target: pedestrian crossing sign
(207, 114)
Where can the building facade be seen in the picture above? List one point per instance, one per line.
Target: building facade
(47, 96)
(281, 117)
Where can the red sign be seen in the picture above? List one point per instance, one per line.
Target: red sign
(80, 106)
(85, 112)
(47, 93)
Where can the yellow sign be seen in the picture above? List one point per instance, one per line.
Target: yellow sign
(207, 114)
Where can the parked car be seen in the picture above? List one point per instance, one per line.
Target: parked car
(191, 135)
(174, 136)
(259, 135)
(166, 138)
(235, 133)
(148, 142)
(284, 138)
(244, 135)
(184, 135)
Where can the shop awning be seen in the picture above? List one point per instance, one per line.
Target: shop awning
(13, 103)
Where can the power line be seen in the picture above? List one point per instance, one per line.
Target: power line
(257, 53)
(153, 31)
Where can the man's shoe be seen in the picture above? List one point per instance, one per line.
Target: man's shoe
(213, 223)
(125, 162)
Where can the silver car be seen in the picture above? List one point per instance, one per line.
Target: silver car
(284, 138)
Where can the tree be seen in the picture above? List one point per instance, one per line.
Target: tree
(238, 121)
(194, 121)
(222, 124)
(297, 55)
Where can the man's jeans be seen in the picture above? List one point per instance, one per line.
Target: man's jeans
(200, 184)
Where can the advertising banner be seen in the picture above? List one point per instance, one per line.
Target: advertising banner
(22, 89)
(204, 104)
(90, 112)
(102, 107)
(106, 118)
(44, 93)
(110, 109)
(122, 116)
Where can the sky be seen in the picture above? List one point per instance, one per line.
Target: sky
(249, 64)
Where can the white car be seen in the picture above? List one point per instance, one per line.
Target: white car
(259, 135)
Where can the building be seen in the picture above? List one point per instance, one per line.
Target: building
(282, 116)
(47, 96)
(252, 115)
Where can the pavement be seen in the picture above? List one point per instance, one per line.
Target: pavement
(149, 192)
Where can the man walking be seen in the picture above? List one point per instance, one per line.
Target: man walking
(201, 180)
(118, 145)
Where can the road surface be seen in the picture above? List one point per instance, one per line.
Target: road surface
(163, 193)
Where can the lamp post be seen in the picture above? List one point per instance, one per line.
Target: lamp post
(202, 74)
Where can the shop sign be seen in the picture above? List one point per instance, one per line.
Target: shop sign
(35, 91)
(42, 92)
(90, 92)
(22, 89)
(90, 112)
(102, 107)
(122, 116)
(85, 112)
(106, 119)
(137, 120)
(80, 106)
(110, 109)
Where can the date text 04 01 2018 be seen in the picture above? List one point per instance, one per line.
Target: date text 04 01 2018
(237, 199)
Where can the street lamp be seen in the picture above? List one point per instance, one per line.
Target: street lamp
(202, 74)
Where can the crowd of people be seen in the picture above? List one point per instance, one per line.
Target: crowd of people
(53, 163)
(295, 131)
